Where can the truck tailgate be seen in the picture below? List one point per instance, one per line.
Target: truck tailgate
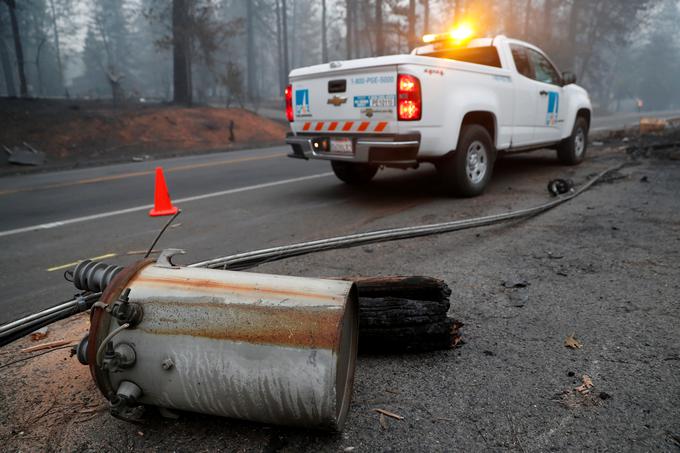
(360, 101)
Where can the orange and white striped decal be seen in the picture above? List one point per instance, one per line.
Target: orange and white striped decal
(344, 126)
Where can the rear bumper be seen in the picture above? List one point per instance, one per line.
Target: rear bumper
(383, 149)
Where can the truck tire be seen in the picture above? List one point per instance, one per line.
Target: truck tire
(467, 171)
(354, 173)
(572, 150)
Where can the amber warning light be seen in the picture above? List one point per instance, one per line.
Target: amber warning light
(458, 35)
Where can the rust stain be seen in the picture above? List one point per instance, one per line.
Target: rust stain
(283, 326)
(212, 285)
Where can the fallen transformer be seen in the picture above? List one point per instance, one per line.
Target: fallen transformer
(265, 348)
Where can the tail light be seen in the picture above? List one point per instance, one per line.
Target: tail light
(289, 103)
(409, 104)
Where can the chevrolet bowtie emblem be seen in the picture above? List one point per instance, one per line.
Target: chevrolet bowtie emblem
(337, 101)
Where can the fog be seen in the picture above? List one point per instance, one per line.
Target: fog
(238, 52)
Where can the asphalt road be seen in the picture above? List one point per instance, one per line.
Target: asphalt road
(236, 201)
(603, 267)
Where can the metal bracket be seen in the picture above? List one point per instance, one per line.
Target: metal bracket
(165, 258)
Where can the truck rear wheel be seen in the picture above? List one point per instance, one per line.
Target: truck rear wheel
(572, 150)
(467, 171)
(354, 173)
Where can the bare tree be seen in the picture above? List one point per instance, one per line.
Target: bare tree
(412, 40)
(548, 21)
(7, 69)
(286, 64)
(426, 15)
(527, 18)
(181, 52)
(57, 46)
(18, 47)
(250, 50)
(379, 38)
(324, 33)
(576, 6)
(349, 25)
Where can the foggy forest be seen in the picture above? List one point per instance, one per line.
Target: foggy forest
(240, 52)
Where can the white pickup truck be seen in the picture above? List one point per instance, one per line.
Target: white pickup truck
(451, 105)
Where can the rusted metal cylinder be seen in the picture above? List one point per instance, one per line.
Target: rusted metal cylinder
(266, 348)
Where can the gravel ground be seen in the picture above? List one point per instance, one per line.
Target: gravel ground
(604, 268)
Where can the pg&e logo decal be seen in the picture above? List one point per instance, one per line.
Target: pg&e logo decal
(302, 103)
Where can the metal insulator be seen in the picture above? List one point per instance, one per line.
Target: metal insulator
(93, 276)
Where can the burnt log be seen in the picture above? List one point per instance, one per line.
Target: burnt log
(405, 314)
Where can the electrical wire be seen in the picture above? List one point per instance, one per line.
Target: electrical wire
(249, 259)
(108, 338)
(153, 244)
(254, 258)
(23, 359)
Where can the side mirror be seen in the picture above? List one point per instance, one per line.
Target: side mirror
(568, 78)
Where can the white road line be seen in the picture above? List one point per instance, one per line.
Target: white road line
(60, 223)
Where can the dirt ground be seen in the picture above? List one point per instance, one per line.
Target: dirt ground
(88, 132)
(603, 268)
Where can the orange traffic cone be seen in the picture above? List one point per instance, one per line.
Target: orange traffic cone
(162, 204)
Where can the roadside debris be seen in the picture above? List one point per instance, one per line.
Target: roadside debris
(49, 345)
(383, 422)
(572, 342)
(26, 155)
(515, 284)
(587, 384)
(405, 314)
(40, 334)
(141, 158)
(582, 395)
(382, 418)
(560, 186)
(387, 413)
(649, 125)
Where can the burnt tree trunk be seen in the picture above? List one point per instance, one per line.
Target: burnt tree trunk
(250, 49)
(57, 45)
(379, 35)
(349, 26)
(18, 47)
(426, 15)
(400, 314)
(181, 52)
(7, 69)
(412, 42)
(284, 37)
(324, 33)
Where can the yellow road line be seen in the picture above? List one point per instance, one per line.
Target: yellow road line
(95, 258)
(140, 173)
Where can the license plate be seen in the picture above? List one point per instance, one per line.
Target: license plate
(342, 146)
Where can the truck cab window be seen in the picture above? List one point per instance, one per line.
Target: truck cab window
(544, 71)
(521, 61)
(487, 55)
